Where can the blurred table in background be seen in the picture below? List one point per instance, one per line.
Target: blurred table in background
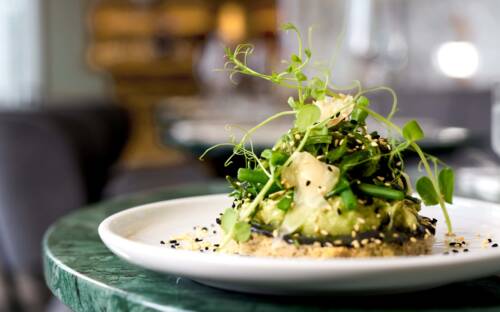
(457, 124)
(153, 50)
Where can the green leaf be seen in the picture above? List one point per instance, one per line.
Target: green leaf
(359, 114)
(266, 154)
(252, 175)
(446, 184)
(306, 116)
(300, 76)
(296, 59)
(308, 52)
(318, 94)
(427, 192)
(292, 103)
(363, 101)
(278, 158)
(289, 26)
(285, 203)
(412, 131)
(228, 220)
(241, 231)
(275, 78)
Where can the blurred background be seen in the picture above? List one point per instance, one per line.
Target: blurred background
(104, 98)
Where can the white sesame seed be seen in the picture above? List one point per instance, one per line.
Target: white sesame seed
(355, 244)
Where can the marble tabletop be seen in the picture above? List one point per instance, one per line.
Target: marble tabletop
(86, 276)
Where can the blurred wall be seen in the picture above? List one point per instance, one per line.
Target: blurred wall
(66, 73)
(20, 53)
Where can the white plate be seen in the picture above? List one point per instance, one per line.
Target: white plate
(135, 236)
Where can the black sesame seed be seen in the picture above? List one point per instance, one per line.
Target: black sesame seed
(162, 242)
(172, 241)
(494, 245)
(308, 183)
(233, 205)
(489, 240)
(339, 212)
(463, 243)
(198, 239)
(172, 246)
(217, 221)
(330, 168)
(216, 245)
(204, 228)
(206, 248)
(466, 250)
(215, 232)
(455, 251)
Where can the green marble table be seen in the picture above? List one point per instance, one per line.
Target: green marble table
(86, 276)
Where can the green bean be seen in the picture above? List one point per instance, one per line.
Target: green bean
(349, 199)
(381, 191)
(338, 152)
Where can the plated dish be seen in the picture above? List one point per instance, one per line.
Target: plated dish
(135, 235)
(328, 207)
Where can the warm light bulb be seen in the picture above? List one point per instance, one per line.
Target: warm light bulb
(457, 59)
(231, 23)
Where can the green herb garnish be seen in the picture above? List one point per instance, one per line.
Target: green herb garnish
(369, 165)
